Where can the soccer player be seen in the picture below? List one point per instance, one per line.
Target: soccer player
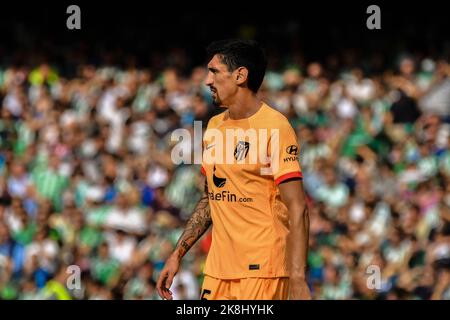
(259, 219)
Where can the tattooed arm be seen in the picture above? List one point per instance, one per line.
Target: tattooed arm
(196, 226)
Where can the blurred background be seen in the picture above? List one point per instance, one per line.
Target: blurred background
(86, 176)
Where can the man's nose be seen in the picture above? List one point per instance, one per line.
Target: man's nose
(208, 80)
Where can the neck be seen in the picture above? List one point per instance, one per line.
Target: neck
(246, 104)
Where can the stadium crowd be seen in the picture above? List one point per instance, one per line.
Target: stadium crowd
(87, 180)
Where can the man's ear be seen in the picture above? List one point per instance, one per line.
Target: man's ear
(241, 75)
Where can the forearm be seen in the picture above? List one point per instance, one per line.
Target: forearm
(196, 226)
(298, 241)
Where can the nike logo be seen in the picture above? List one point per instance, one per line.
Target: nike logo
(218, 182)
(210, 146)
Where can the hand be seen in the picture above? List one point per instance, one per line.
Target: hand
(166, 277)
(299, 290)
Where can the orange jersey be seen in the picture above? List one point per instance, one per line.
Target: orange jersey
(250, 223)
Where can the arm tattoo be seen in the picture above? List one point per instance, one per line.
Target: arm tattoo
(196, 226)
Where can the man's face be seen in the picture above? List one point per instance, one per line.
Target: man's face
(17, 170)
(221, 82)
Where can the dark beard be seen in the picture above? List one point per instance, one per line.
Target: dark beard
(217, 102)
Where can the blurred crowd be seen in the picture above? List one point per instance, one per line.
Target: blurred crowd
(91, 204)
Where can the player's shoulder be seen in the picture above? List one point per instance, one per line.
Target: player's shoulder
(214, 121)
(274, 117)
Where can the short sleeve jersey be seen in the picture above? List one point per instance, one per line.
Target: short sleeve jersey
(244, 161)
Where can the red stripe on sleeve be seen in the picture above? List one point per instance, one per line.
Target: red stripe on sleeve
(287, 176)
(202, 170)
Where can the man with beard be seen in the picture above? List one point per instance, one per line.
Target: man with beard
(260, 222)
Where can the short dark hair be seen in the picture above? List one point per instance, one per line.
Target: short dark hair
(236, 53)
